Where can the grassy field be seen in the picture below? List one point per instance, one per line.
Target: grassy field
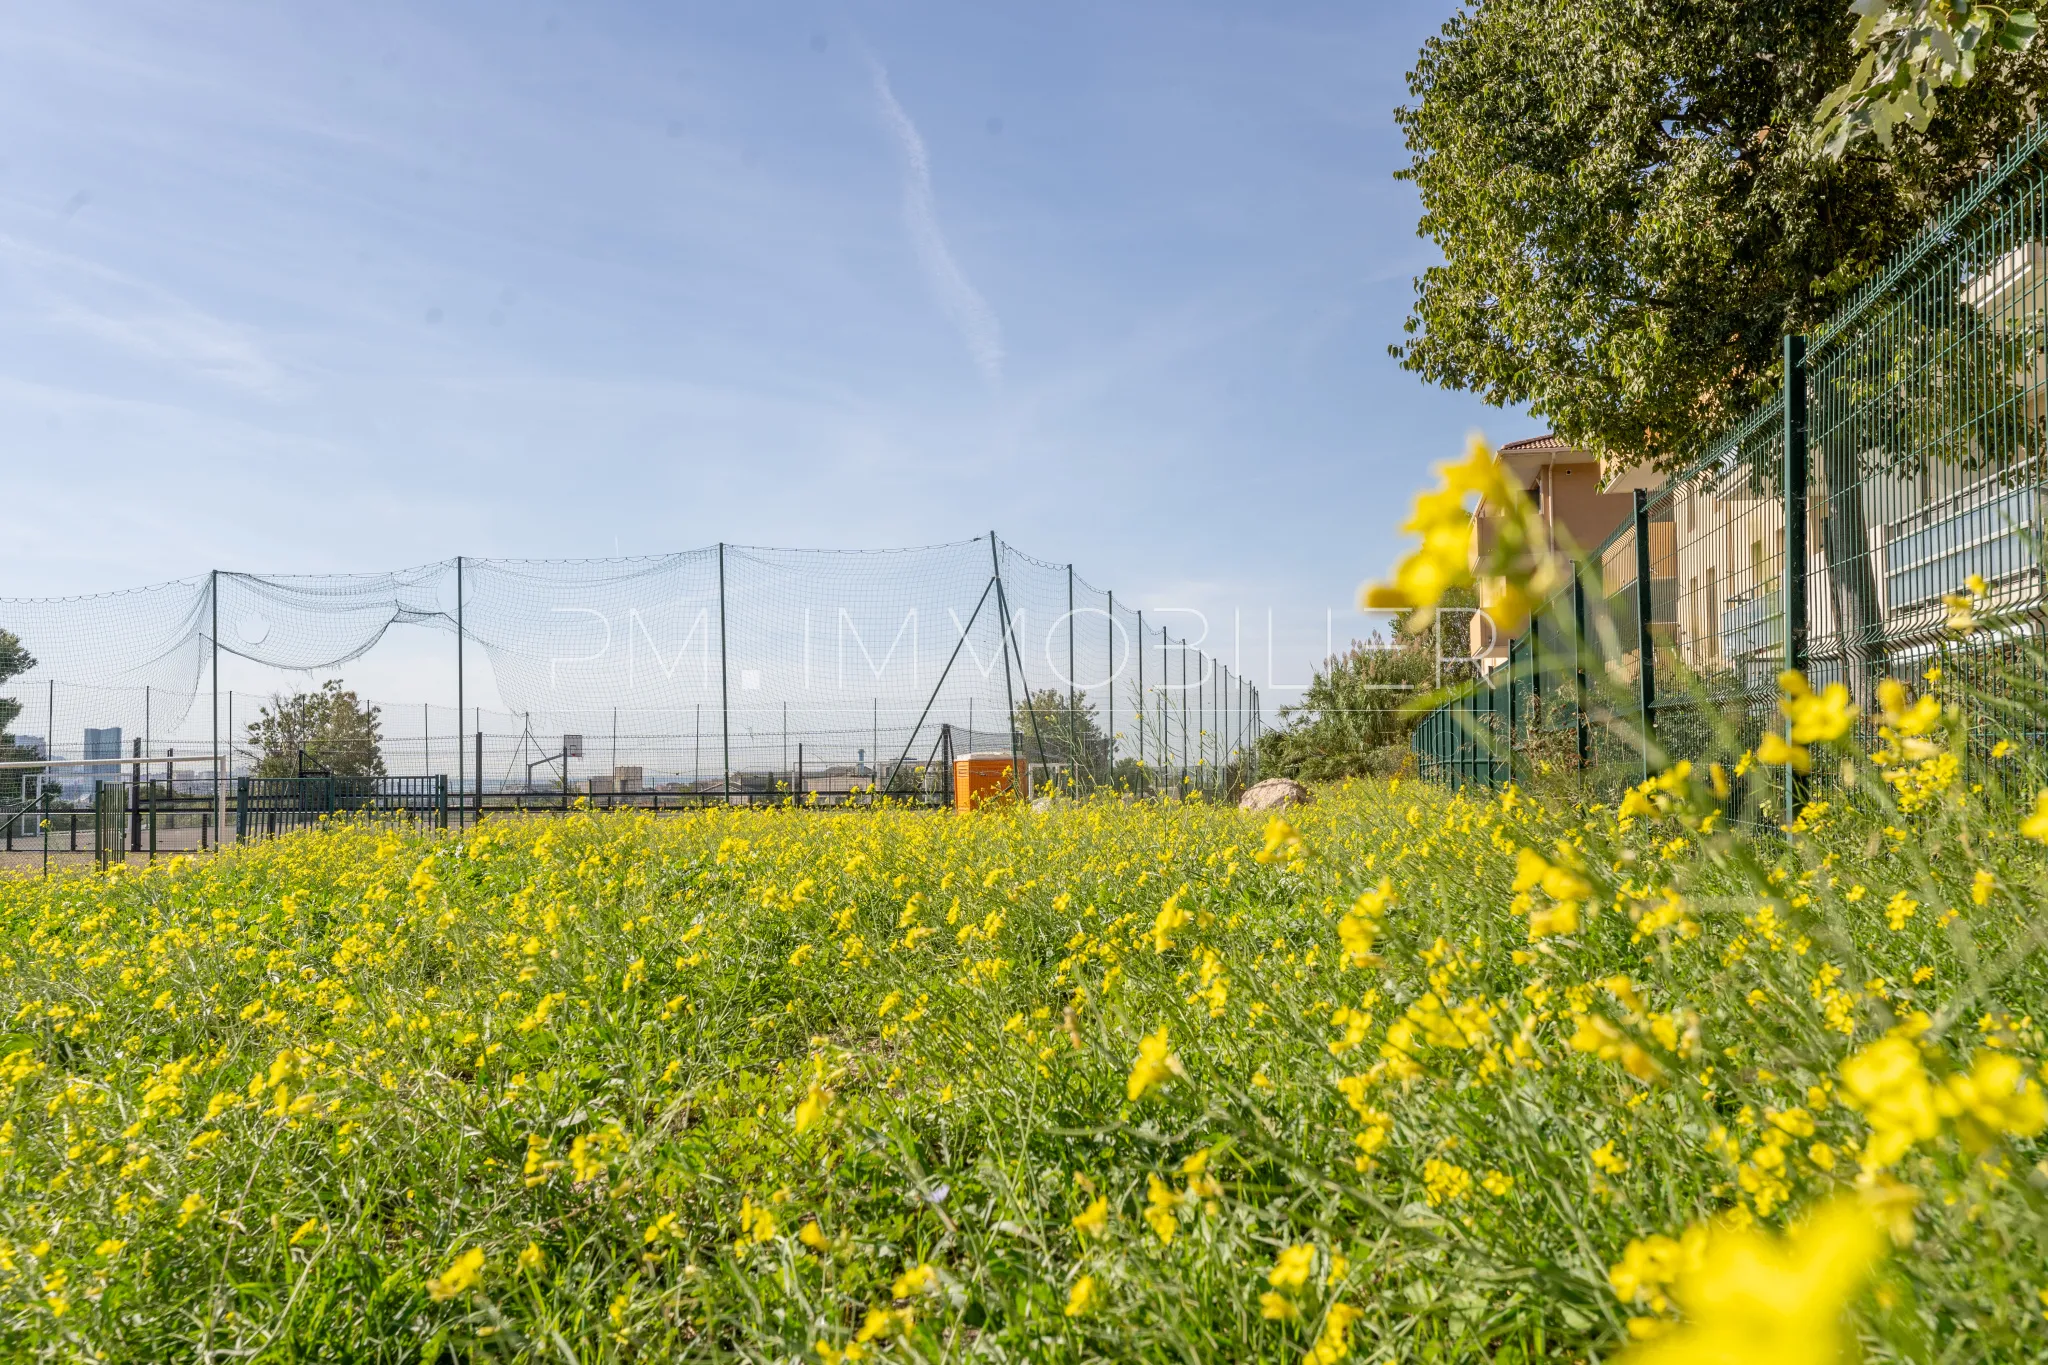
(1413, 1077)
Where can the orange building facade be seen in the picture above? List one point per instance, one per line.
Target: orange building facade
(1578, 514)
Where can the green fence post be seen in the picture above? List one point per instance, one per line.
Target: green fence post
(1646, 659)
(1579, 663)
(1498, 735)
(1795, 489)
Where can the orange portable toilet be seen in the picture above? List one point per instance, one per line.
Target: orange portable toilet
(979, 779)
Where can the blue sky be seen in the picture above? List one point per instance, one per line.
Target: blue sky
(322, 288)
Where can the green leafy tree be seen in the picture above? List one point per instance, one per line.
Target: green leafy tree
(1356, 715)
(331, 726)
(1354, 718)
(1909, 50)
(1051, 731)
(14, 661)
(1631, 213)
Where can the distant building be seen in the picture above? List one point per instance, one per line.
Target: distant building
(623, 779)
(1578, 513)
(104, 743)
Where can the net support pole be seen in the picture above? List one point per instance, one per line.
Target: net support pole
(1248, 727)
(1219, 719)
(1030, 699)
(1170, 753)
(1110, 669)
(459, 755)
(1141, 695)
(1646, 659)
(1073, 705)
(724, 696)
(933, 699)
(1795, 489)
(1003, 619)
(1183, 719)
(213, 608)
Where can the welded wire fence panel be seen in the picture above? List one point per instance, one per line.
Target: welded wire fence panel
(1919, 479)
(1926, 398)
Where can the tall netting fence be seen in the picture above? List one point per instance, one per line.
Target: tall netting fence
(1879, 516)
(734, 671)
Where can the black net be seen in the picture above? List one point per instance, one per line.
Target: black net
(748, 668)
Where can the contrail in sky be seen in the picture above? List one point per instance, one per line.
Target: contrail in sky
(957, 295)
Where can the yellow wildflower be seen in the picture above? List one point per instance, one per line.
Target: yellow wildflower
(1817, 718)
(1277, 1307)
(1773, 750)
(1361, 925)
(919, 1279)
(1161, 1208)
(1172, 918)
(463, 1274)
(1444, 1182)
(1996, 1099)
(1888, 1085)
(1333, 1343)
(1153, 1065)
(811, 1108)
(756, 1223)
(1282, 840)
(1519, 570)
(1755, 1297)
(2035, 826)
(1293, 1267)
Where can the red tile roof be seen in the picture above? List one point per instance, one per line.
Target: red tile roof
(1546, 444)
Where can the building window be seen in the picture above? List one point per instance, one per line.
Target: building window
(1692, 597)
(1713, 615)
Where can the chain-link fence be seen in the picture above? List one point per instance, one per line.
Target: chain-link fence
(1899, 463)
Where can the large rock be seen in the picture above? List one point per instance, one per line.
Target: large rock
(1275, 793)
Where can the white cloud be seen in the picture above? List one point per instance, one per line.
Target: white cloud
(969, 311)
(139, 318)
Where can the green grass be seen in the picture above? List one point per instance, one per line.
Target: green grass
(400, 1038)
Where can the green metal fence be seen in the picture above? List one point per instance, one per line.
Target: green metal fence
(1901, 456)
(278, 805)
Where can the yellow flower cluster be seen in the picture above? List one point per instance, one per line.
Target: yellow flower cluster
(1518, 564)
(1888, 1083)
